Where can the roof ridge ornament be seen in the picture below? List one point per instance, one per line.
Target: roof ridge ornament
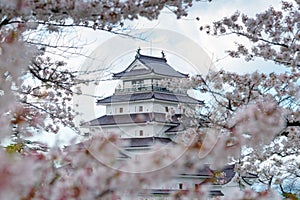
(138, 52)
(163, 55)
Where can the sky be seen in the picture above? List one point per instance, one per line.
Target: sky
(189, 27)
(178, 38)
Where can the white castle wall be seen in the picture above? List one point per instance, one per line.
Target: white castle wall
(134, 107)
(134, 130)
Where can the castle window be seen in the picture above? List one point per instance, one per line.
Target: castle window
(180, 186)
(140, 108)
(141, 132)
(167, 109)
(121, 110)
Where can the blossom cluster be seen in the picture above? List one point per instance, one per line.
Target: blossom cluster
(250, 110)
(15, 56)
(274, 34)
(264, 107)
(103, 15)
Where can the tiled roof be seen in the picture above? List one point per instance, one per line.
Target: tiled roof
(172, 191)
(177, 128)
(149, 95)
(132, 118)
(206, 171)
(132, 73)
(229, 173)
(154, 64)
(145, 141)
(125, 143)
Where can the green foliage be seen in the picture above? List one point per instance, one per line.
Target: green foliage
(14, 148)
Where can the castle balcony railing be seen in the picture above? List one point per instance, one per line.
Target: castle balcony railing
(148, 88)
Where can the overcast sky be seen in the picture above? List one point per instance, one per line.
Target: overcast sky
(189, 27)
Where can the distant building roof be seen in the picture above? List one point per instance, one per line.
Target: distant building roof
(132, 118)
(149, 95)
(154, 65)
(228, 171)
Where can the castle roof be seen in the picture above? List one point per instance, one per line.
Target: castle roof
(145, 141)
(152, 64)
(167, 192)
(149, 95)
(228, 173)
(132, 118)
(175, 129)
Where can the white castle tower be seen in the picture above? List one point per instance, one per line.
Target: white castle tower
(139, 105)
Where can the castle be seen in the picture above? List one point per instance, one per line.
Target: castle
(136, 113)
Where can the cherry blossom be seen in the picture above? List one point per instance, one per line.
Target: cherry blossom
(273, 33)
(251, 120)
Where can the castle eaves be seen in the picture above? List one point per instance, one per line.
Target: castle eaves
(149, 95)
